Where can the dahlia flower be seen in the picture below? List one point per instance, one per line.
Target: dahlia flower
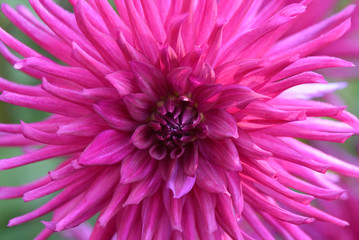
(177, 119)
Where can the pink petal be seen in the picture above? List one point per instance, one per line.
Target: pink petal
(144, 189)
(179, 79)
(221, 124)
(237, 95)
(46, 104)
(206, 203)
(38, 155)
(179, 182)
(174, 208)
(150, 214)
(109, 147)
(137, 166)
(139, 106)
(150, 80)
(190, 159)
(206, 96)
(222, 153)
(216, 183)
(114, 112)
(123, 82)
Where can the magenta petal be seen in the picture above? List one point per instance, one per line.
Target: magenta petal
(115, 113)
(158, 151)
(142, 138)
(129, 52)
(151, 213)
(220, 124)
(18, 191)
(81, 176)
(108, 148)
(164, 229)
(136, 166)
(235, 189)
(206, 206)
(127, 220)
(216, 183)
(174, 208)
(237, 95)
(38, 155)
(189, 220)
(139, 106)
(222, 153)
(46, 104)
(281, 150)
(89, 125)
(112, 20)
(179, 79)
(6, 85)
(123, 82)
(50, 70)
(169, 58)
(98, 231)
(102, 42)
(95, 194)
(150, 80)
(141, 33)
(206, 96)
(50, 138)
(115, 205)
(190, 159)
(59, 200)
(252, 218)
(225, 216)
(144, 189)
(179, 182)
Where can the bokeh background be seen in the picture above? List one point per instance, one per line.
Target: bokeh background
(13, 114)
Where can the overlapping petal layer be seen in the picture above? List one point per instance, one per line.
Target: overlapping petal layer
(178, 119)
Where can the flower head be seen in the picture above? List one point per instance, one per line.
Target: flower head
(175, 118)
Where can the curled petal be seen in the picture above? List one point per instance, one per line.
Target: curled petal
(221, 124)
(142, 138)
(179, 182)
(115, 113)
(109, 147)
(150, 80)
(222, 153)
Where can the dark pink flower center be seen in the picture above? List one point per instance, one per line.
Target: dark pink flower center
(176, 122)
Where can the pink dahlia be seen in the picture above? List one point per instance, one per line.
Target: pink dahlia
(174, 118)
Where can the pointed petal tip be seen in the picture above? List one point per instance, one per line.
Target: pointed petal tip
(323, 168)
(103, 220)
(12, 222)
(341, 193)
(307, 199)
(4, 6)
(308, 220)
(50, 225)
(129, 202)
(27, 198)
(19, 65)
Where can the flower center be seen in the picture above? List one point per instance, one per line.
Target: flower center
(176, 122)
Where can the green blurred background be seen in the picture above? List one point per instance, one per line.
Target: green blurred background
(12, 114)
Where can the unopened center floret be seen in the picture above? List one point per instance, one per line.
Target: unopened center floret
(176, 121)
